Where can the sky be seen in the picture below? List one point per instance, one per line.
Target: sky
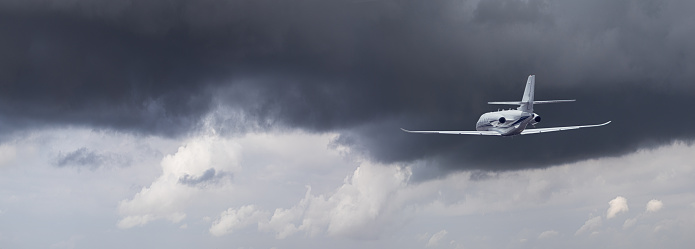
(275, 124)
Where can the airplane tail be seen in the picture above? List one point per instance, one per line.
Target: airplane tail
(527, 101)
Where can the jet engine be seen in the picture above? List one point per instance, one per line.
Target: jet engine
(535, 119)
(502, 120)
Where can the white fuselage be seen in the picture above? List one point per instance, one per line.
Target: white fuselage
(507, 122)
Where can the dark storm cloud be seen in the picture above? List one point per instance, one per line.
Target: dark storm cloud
(85, 158)
(362, 68)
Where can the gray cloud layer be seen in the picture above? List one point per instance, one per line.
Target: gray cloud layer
(84, 157)
(210, 176)
(362, 68)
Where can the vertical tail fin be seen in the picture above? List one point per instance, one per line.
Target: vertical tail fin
(527, 100)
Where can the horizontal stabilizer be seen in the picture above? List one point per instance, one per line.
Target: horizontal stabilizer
(553, 101)
(534, 102)
(505, 103)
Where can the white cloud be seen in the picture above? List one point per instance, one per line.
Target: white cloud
(616, 206)
(590, 225)
(386, 206)
(233, 219)
(629, 223)
(140, 220)
(434, 240)
(651, 207)
(376, 197)
(548, 234)
(360, 208)
(283, 221)
(654, 206)
(167, 198)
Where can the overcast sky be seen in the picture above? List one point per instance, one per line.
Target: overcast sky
(269, 123)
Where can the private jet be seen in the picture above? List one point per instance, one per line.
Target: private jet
(513, 122)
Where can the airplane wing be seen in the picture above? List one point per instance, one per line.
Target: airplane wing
(485, 133)
(551, 129)
(534, 102)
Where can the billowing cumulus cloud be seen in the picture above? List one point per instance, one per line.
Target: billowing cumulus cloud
(616, 206)
(476, 209)
(548, 234)
(169, 195)
(590, 225)
(365, 205)
(233, 219)
(654, 206)
(436, 238)
(360, 68)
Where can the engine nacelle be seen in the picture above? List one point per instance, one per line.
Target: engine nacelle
(502, 120)
(535, 119)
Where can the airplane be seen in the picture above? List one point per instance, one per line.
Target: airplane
(513, 122)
